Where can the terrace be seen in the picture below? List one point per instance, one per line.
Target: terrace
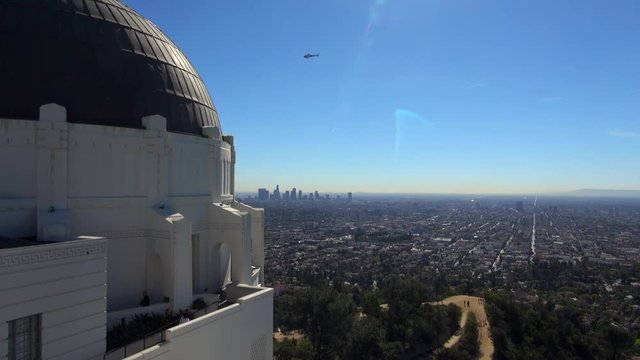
(208, 318)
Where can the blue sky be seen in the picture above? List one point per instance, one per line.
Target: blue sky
(466, 96)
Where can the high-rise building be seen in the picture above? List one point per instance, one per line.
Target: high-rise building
(119, 170)
(276, 193)
(299, 194)
(316, 195)
(293, 194)
(263, 194)
(286, 195)
(349, 196)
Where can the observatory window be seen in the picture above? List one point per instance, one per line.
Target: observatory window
(25, 338)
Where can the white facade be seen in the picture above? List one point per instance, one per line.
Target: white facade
(163, 201)
(240, 331)
(66, 284)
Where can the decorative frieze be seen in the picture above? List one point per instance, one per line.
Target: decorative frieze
(45, 253)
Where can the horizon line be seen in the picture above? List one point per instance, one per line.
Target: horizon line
(574, 192)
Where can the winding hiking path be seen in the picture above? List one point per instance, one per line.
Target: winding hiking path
(476, 306)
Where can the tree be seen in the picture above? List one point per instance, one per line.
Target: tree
(371, 304)
(404, 298)
(293, 349)
(618, 340)
(323, 314)
(365, 337)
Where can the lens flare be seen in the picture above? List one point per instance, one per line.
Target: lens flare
(374, 10)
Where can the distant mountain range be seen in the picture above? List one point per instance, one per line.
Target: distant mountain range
(601, 193)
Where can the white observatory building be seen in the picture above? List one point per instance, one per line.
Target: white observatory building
(117, 194)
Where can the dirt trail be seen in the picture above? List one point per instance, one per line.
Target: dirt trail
(291, 335)
(476, 306)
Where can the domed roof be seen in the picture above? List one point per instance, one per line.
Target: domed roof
(102, 61)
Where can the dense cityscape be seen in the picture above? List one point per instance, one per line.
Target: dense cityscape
(575, 252)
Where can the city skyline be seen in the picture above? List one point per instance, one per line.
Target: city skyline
(265, 194)
(578, 193)
(421, 96)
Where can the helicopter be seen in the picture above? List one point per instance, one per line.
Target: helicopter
(309, 56)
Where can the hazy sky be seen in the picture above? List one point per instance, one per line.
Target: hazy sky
(420, 95)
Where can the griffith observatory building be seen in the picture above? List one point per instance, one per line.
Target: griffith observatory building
(117, 194)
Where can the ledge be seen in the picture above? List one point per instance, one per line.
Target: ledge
(250, 295)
